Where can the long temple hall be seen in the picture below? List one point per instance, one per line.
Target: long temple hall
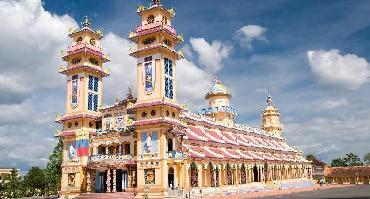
(147, 144)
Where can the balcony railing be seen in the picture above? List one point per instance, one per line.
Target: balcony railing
(149, 28)
(175, 155)
(96, 158)
(219, 109)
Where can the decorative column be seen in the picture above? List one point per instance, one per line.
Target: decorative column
(88, 181)
(108, 181)
(114, 181)
(93, 178)
(200, 175)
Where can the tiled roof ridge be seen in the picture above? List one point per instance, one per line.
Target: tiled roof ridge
(237, 127)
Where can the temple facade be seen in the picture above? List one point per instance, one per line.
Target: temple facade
(151, 145)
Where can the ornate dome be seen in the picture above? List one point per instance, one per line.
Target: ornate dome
(218, 89)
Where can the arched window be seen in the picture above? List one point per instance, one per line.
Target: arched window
(193, 175)
(169, 145)
(150, 19)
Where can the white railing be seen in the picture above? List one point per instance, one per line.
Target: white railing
(95, 158)
(175, 155)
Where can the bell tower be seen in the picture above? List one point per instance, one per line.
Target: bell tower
(156, 109)
(84, 73)
(271, 118)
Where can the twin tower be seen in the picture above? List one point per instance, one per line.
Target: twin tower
(156, 109)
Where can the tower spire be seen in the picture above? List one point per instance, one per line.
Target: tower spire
(269, 100)
(156, 2)
(86, 22)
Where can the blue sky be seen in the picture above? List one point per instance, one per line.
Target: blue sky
(311, 54)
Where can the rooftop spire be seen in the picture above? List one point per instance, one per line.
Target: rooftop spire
(156, 2)
(86, 22)
(269, 100)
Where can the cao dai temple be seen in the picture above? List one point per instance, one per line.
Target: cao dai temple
(150, 145)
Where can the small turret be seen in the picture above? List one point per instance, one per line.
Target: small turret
(271, 118)
(219, 104)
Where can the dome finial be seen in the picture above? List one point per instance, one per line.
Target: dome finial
(217, 80)
(156, 2)
(269, 100)
(86, 22)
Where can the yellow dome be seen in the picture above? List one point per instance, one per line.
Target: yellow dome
(218, 89)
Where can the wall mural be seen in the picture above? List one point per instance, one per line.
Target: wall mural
(149, 175)
(72, 152)
(149, 142)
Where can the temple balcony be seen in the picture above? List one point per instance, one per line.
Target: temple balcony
(227, 109)
(110, 157)
(175, 155)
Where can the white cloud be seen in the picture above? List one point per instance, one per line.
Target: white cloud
(123, 74)
(345, 71)
(247, 34)
(211, 55)
(192, 84)
(30, 44)
(331, 104)
(122, 68)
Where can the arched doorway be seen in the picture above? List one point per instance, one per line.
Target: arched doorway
(169, 144)
(193, 175)
(243, 177)
(171, 178)
(255, 173)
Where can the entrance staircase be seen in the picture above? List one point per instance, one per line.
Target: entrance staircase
(105, 195)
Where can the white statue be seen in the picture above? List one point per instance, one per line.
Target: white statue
(72, 152)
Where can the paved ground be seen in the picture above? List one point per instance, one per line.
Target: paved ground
(325, 192)
(328, 192)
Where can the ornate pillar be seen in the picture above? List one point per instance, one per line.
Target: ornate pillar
(88, 181)
(114, 181)
(95, 150)
(200, 175)
(93, 178)
(108, 181)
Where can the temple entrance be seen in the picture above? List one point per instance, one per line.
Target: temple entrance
(124, 180)
(119, 180)
(255, 174)
(100, 185)
(171, 178)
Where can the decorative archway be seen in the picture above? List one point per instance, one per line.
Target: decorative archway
(169, 145)
(193, 175)
(243, 176)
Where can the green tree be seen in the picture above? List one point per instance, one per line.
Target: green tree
(53, 171)
(338, 162)
(34, 182)
(352, 159)
(367, 158)
(11, 185)
(310, 157)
